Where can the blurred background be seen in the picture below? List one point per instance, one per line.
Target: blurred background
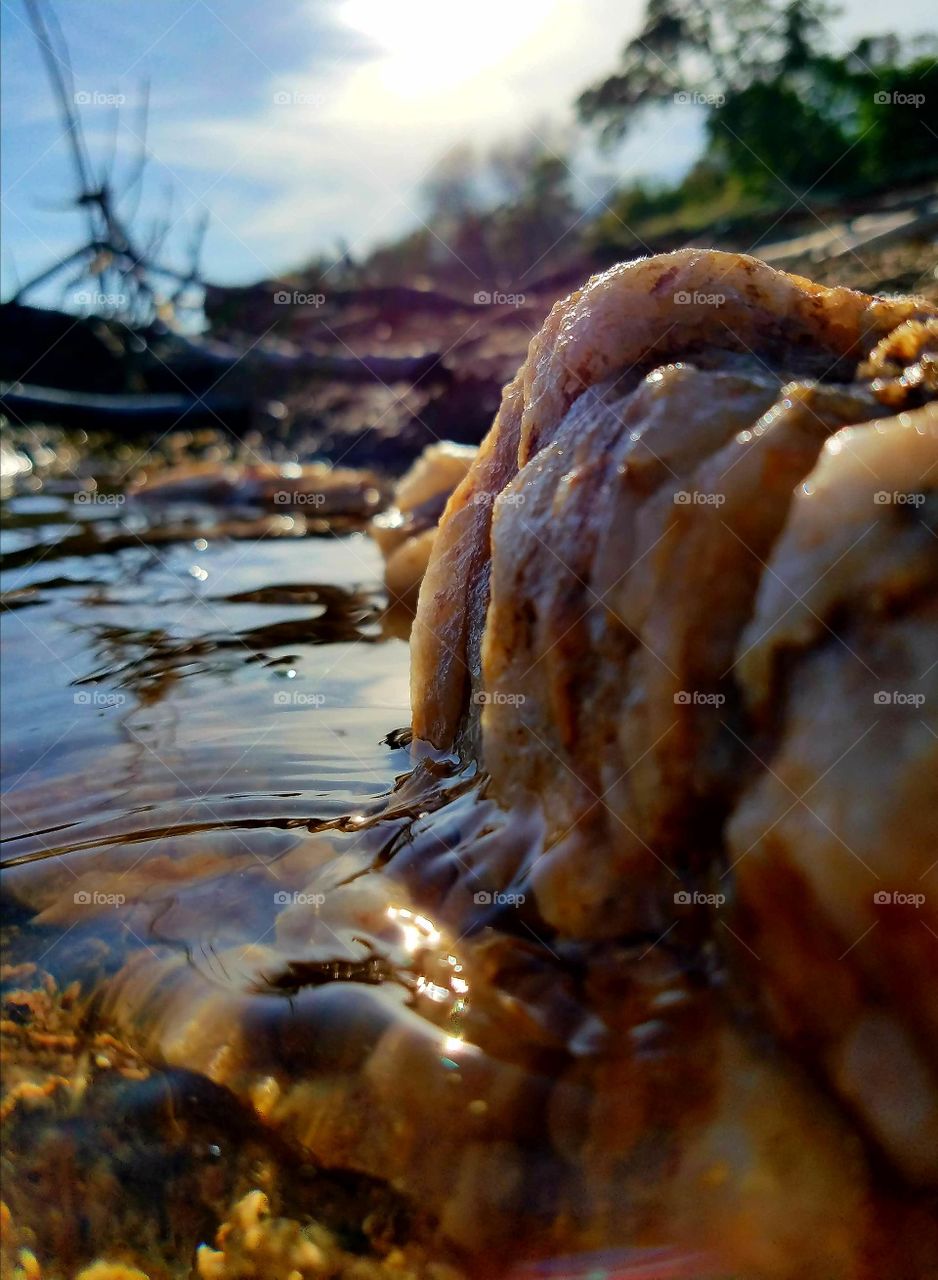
(271, 201)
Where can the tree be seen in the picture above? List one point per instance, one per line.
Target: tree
(451, 190)
(761, 135)
(782, 112)
(706, 51)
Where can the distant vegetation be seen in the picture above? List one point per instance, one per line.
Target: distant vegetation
(794, 131)
(786, 119)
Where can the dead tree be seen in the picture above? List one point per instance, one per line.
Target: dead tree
(114, 261)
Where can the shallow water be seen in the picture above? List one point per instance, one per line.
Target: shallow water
(213, 686)
(198, 772)
(127, 671)
(236, 955)
(199, 702)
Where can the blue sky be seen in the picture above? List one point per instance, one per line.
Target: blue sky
(298, 123)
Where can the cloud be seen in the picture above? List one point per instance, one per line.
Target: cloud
(321, 156)
(315, 120)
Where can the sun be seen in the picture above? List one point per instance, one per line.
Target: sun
(429, 46)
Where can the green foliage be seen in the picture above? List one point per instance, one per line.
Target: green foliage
(841, 127)
(640, 217)
(782, 113)
(774, 138)
(897, 120)
(711, 49)
(785, 119)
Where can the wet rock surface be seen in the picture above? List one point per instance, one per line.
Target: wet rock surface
(585, 972)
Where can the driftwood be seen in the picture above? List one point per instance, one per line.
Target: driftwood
(122, 413)
(116, 260)
(82, 383)
(81, 371)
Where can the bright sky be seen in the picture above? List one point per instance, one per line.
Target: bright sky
(302, 122)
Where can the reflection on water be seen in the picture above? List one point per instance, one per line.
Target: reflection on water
(199, 685)
(211, 953)
(247, 1035)
(181, 715)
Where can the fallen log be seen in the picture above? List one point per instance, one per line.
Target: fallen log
(125, 414)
